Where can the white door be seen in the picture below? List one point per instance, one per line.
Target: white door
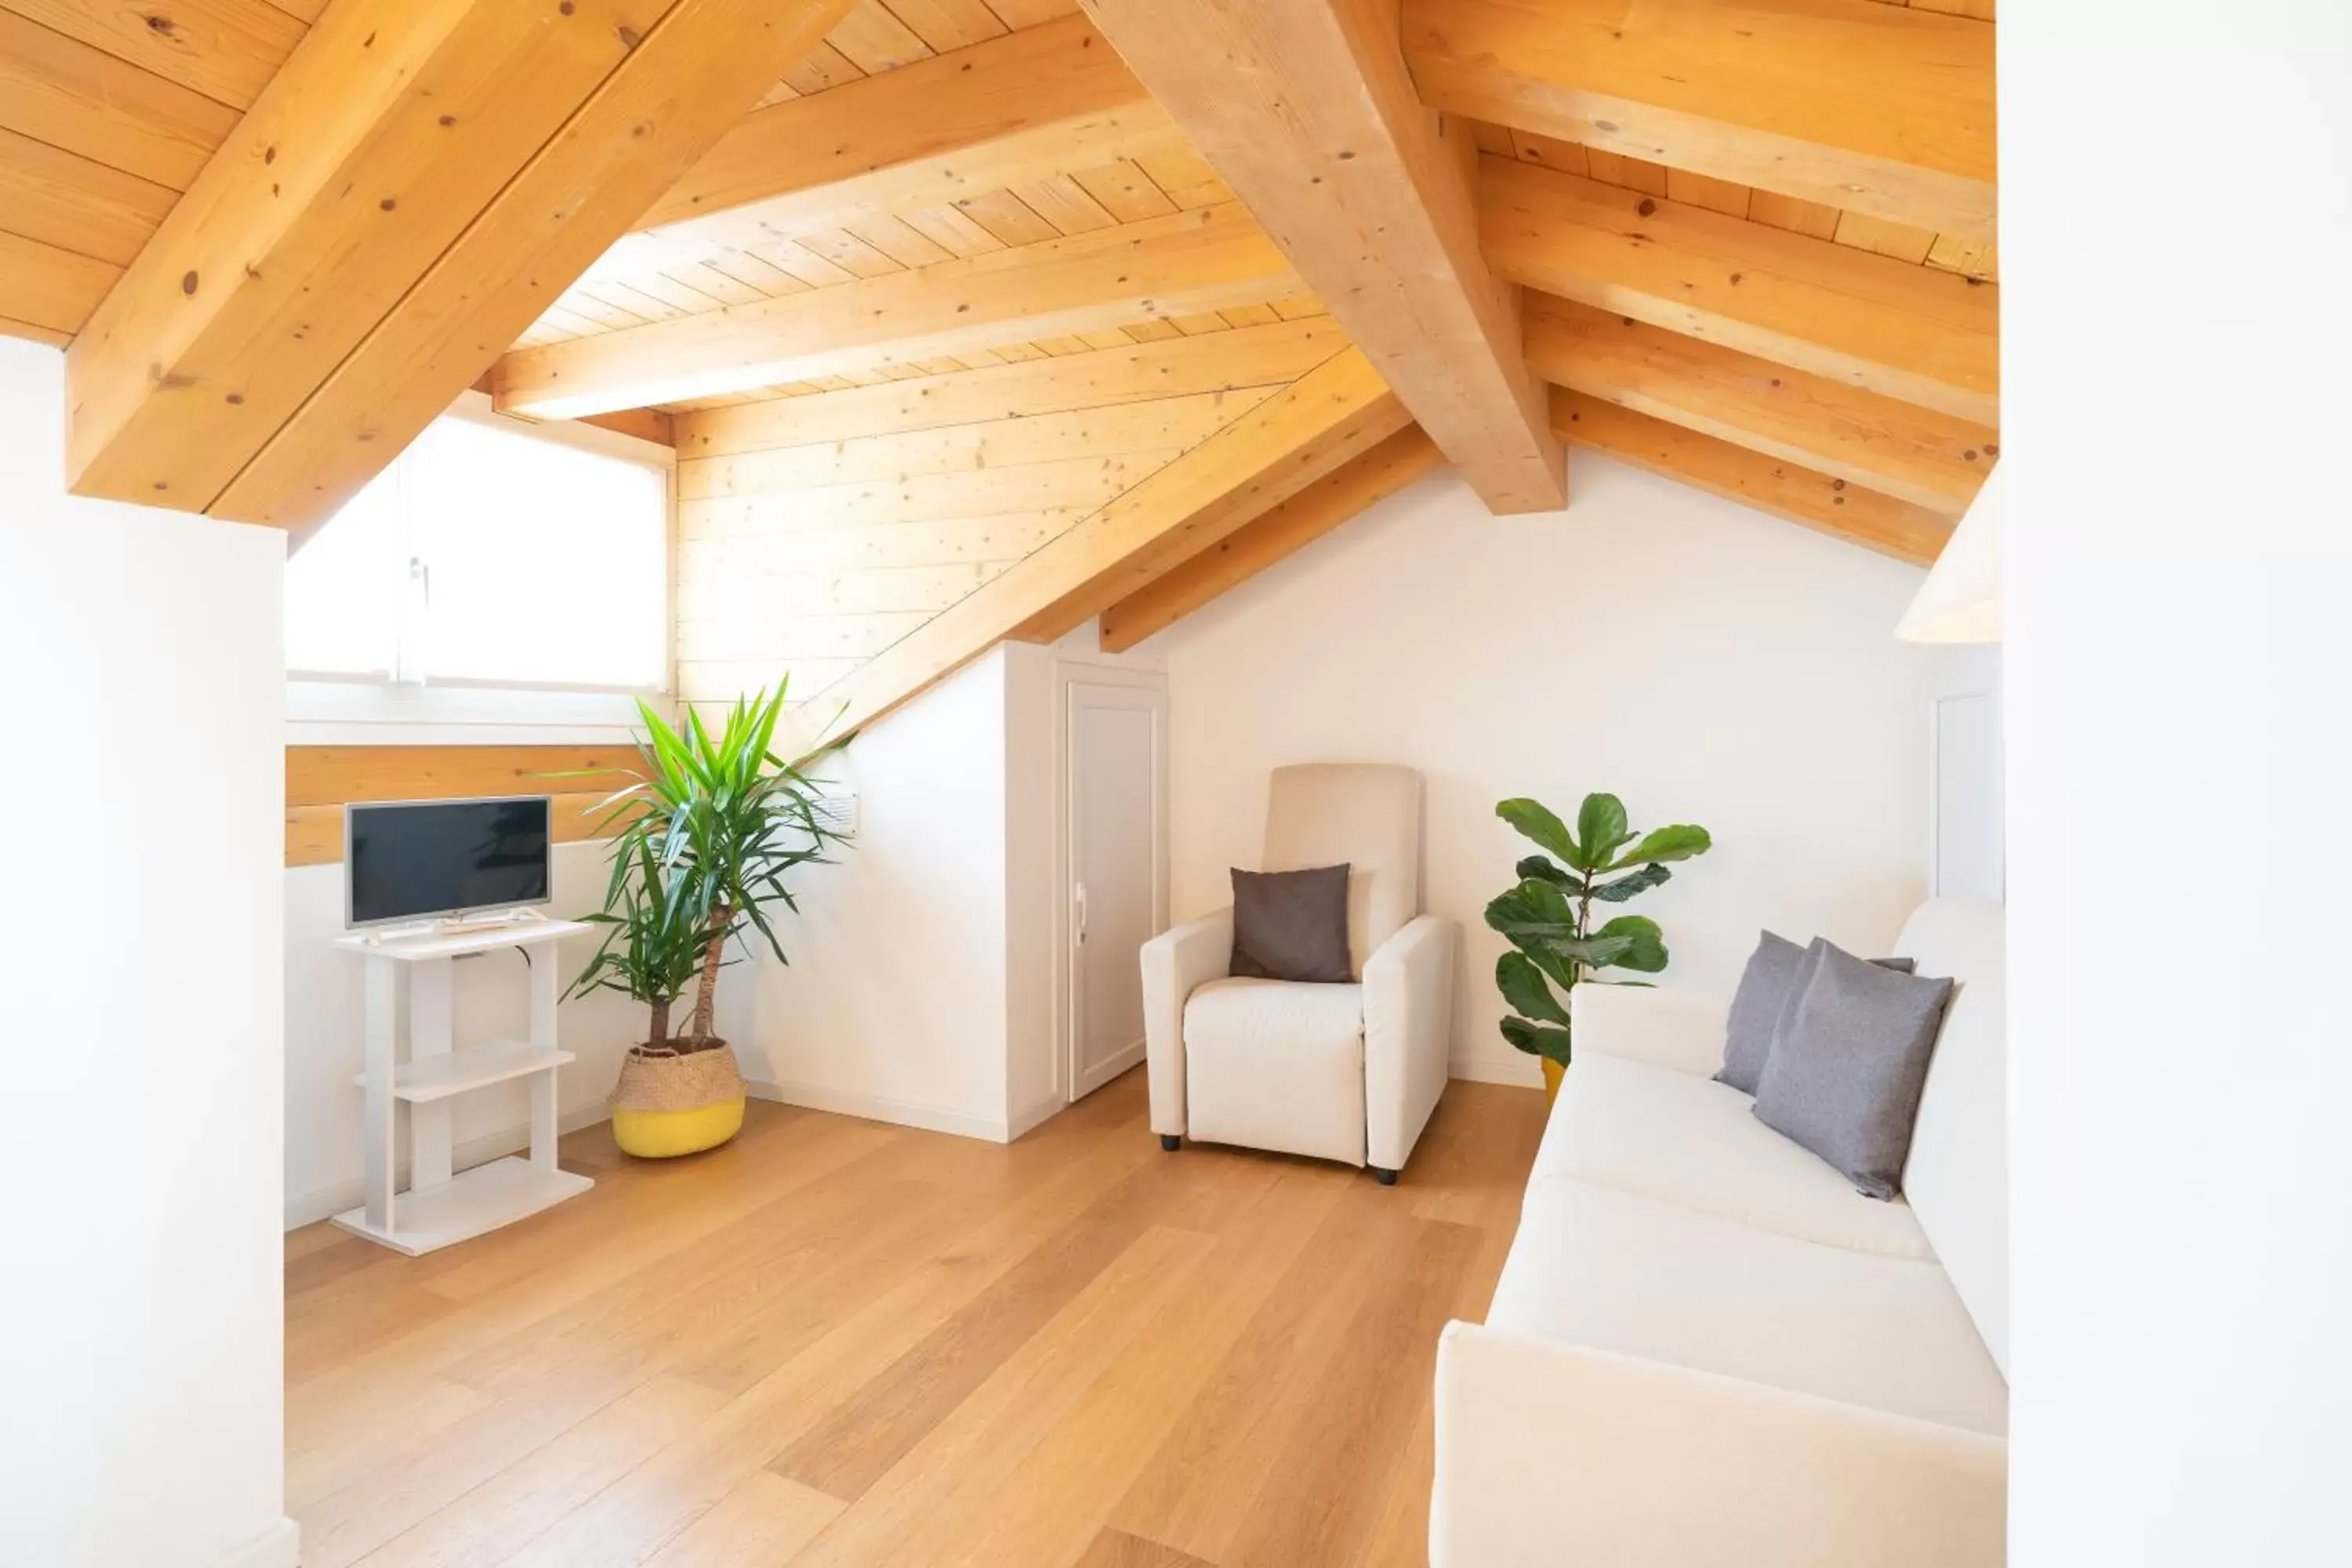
(1116, 855)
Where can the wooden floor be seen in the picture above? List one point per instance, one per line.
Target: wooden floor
(840, 1342)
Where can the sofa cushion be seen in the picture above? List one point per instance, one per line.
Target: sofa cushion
(1291, 925)
(1271, 1064)
(1621, 1272)
(1690, 1140)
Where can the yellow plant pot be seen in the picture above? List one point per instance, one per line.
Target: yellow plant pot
(1553, 1072)
(666, 1106)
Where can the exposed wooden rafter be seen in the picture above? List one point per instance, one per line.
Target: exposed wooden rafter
(1171, 266)
(1821, 502)
(1863, 106)
(1282, 446)
(1907, 331)
(1305, 108)
(404, 197)
(1002, 112)
(1932, 460)
(1275, 534)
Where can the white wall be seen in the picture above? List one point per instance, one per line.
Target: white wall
(142, 1324)
(894, 1004)
(2176, 327)
(1705, 662)
(326, 1035)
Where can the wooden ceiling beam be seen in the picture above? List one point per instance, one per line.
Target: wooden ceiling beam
(1211, 259)
(1275, 534)
(1305, 108)
(1875, 108)
(1014, 109)
(1820, 501)
(1906, 331)
(1930, 459)
(1284, 445)
(406, 196)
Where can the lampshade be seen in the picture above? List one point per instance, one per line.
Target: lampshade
(1960, 600)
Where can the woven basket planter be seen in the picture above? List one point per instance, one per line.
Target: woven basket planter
(670, 1104)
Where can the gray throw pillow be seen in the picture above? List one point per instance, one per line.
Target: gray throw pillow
(1777, 972)
(1291, 925)
(1848, 1066)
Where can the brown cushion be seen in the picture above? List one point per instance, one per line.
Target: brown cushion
(1291, 925)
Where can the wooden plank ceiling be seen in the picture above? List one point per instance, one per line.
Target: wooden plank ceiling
(993, 315)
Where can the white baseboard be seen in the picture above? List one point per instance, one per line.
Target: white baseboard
(882, 1108)
(1045, 1110)
(280, 1546)
(1516, 1068)
(309, 1208)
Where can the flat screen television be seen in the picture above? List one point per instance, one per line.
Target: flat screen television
(419, 859)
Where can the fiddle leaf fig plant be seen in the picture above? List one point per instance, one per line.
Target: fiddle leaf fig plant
(1548, 917)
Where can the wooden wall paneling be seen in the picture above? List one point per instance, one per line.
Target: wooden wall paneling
(713, 595)
(1287, 443)
(64, 92)
(1255, 356)
(402, 201)
(1818, 501)
(1016, 108)
(1913, 333)
(225, 49)
(1084, 482)
(48, 288)
(1931, 458)
(1878, 110)
(1273, 535)
(1305, 108)
(873, 546)
(74, 202)
(1183, 262)
(1140, 426)
(335, 776)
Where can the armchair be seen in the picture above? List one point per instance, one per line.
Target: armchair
(1338, 1073)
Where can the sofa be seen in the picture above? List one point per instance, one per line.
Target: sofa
(1706, 1348)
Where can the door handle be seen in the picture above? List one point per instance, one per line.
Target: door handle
(1079, 897)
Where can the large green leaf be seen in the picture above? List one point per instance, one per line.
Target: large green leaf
(1548, 958)
(1679, 842)
(1625, 887)
(1645, 946)
(1535, 820)
(1523, 987)
(1600, 825)
(1538, 1039)
(1541, 866)
(1534, 908)
(1595, 952)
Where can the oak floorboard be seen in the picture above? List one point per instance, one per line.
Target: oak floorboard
(836, 1342)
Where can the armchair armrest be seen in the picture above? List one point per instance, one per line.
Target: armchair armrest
(1554, 1454)
(1175, 963)
(1408, 1030)
(1664, 1028)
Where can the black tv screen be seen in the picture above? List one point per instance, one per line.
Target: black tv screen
(413, 859)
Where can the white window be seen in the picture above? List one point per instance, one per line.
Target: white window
(490, 554)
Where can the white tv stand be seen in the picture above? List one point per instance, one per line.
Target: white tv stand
(440, 1206)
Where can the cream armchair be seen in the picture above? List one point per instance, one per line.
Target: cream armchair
(1338, 1073)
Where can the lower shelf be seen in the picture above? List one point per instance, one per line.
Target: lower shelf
(467, 1204)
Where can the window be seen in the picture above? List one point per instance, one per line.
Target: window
(487, 555)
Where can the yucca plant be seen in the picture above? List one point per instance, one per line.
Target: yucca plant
(1548, 917)
(704, 838)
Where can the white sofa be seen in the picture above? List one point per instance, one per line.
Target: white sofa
(1335, 1071)
(1706, 1348)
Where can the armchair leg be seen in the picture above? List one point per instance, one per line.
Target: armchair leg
(1170, 1141)
(1385, 1178)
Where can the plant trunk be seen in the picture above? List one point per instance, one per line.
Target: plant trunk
(705, 1000)
(661, 1020)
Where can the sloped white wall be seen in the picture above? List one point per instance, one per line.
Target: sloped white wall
(1703, 661)
(142, 1324)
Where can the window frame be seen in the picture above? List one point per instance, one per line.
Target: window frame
(336, 698)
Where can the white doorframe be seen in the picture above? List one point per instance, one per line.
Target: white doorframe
(1074, 680)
